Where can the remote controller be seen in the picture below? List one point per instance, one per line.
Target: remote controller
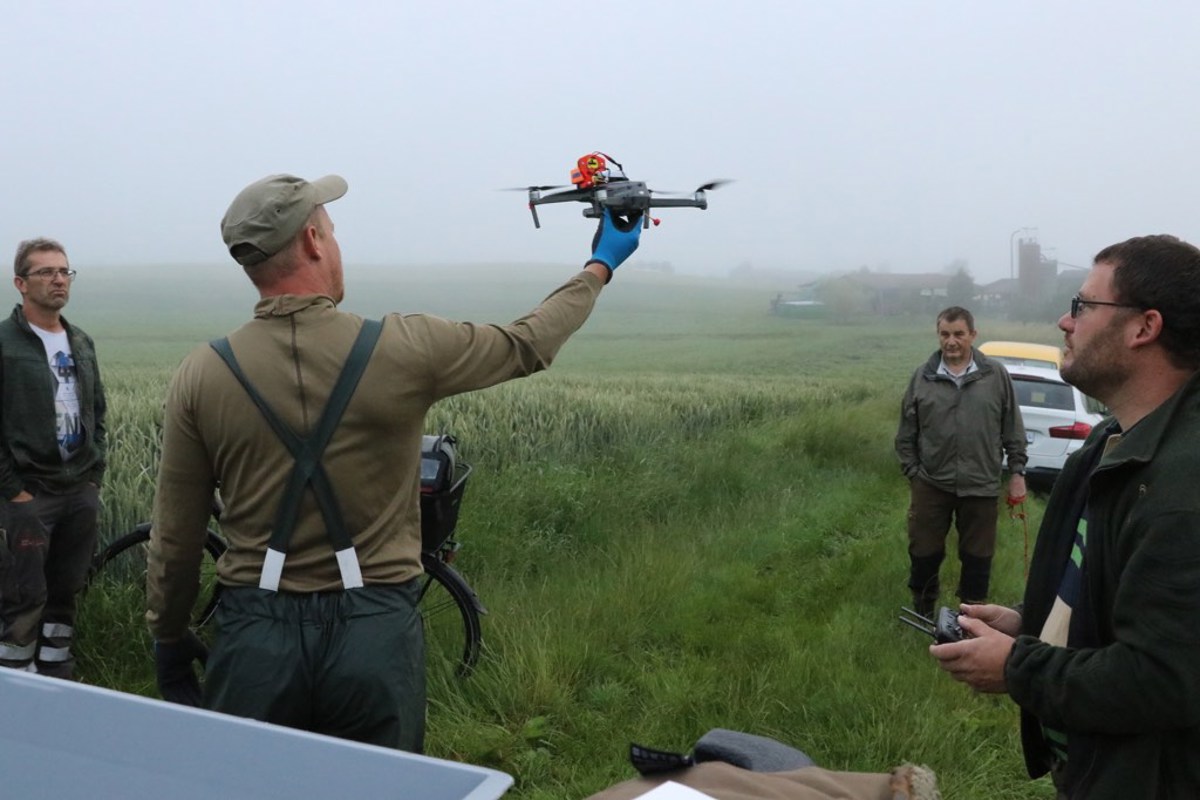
(947, 629)
(944, 629)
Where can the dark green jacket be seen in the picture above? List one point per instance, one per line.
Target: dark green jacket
(29, 457)
(954, 437)
(1126, 688)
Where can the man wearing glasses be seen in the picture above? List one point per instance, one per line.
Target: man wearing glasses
(52, 458)
(1104, 656)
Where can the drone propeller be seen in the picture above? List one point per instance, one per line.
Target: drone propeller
(532, 188)
(704, 188)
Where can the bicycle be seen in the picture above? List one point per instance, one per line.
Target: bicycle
(450, 608)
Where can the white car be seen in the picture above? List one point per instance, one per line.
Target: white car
(1057, 417)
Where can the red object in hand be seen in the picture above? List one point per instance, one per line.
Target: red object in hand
(1016, 501)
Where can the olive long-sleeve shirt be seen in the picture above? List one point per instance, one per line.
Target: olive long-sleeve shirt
(292, 352)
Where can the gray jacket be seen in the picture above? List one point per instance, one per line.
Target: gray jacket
(954, 437)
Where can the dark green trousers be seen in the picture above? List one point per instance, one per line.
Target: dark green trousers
(349, 664)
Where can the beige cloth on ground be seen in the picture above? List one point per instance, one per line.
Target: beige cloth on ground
(727, 782)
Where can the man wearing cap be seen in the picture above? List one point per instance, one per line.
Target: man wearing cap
(52, 458)
(318, 626)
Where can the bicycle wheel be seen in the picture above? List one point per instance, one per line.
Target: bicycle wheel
(113, 646)
(450, 610)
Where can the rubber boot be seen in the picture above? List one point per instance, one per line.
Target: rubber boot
(924, 582)
(974, 578)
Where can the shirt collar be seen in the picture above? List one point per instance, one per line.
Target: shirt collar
(284, 305)
(944, 370)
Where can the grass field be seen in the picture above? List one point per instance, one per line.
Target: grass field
(693, 520)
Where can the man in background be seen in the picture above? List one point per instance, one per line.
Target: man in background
(318, 624)
(958, 416)
(1104, 657)
(52, 459)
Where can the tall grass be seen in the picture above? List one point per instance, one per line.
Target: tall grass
(694, 520)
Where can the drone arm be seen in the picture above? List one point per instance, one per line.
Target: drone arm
(699, 200)
(536, 199)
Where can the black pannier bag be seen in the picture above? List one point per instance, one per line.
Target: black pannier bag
(443, 479)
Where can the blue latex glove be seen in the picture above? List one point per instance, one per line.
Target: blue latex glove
(177, 680)
(616, 238)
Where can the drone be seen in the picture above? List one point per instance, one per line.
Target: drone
(601, 186)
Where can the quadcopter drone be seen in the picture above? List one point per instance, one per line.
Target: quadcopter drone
(601, 186)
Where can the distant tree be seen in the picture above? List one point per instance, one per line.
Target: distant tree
(1048, 306)
(956, 266)
(961, 289)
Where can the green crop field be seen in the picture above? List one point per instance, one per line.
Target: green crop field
(693, 520)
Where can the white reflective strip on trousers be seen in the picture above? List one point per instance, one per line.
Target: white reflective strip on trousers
(12, 652)
(49, 655)
(57, 630)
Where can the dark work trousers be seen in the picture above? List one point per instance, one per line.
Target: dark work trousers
(930, 513)
(347, 663)
(49, 542)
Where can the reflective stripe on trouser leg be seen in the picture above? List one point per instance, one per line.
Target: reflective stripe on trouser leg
(57, 630)
(54, 650)
(17, 656)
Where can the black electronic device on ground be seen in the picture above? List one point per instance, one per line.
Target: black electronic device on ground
(943, 629)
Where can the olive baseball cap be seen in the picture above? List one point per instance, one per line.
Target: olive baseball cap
(266, 215)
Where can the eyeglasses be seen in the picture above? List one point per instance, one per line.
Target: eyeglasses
(1078, 302)
(50, 273)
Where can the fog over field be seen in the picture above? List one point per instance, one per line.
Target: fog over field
(899, 136)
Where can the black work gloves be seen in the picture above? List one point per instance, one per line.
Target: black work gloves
(177, 679)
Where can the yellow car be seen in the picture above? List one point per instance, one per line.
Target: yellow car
(1023, 354)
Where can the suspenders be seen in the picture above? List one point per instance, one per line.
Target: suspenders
(308, 470)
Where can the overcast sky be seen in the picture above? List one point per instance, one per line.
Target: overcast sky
(896, 135)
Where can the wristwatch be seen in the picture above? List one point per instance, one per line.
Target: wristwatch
(1018, 471)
